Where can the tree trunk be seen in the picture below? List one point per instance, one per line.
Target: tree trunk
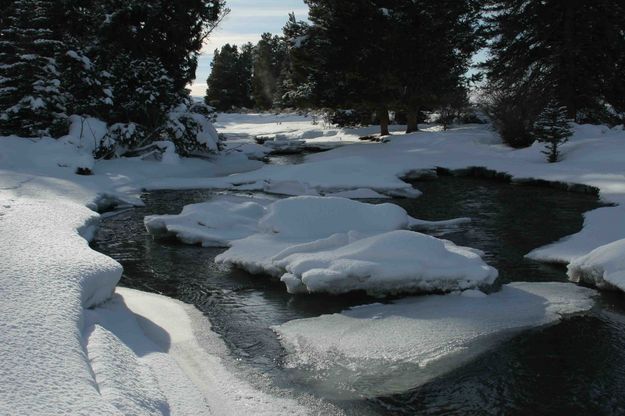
(412, 121)
(384, 121)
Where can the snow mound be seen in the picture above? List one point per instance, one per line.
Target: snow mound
(211, 224)
(603, 267)
(601, 226)
(397, 261)
(381, 349)
(328, 244)
(308, 216)
(337, 245)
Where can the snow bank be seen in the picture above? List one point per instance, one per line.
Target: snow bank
(601, 226)
(45, 288)
(382, 349)
(59, 356)
(603, 267)
(154, 362)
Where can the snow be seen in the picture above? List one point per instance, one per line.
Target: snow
(329, 244)
(381, 349)
(591, 159)
(70, 346)
(151, 345)
(393, 262)
(603, 267)
(64, 344)
(601, 226)
(211, 224)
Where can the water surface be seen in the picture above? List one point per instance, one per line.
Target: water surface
(575, 367)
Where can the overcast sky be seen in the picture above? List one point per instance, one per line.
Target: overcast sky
(247, 20)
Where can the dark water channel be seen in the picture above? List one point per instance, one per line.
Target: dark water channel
(575, 367)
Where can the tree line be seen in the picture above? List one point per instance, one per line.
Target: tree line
(125, 62)
(409, 56)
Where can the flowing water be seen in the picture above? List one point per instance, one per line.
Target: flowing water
(574, 367)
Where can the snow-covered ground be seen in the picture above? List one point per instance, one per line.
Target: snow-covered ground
(286, 133)
(69, 345)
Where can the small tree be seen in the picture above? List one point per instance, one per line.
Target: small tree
(553, 129)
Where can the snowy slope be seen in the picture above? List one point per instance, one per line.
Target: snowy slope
(61, 356)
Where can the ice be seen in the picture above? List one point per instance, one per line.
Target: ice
(360, 193)
(603, 267)
(381, 349)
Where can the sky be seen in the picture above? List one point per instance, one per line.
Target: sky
(247, 20)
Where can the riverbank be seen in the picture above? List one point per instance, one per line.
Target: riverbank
(58, 355)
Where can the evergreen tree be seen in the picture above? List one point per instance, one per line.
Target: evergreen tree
(348, 52)
(269, 55)
(568, 50)
(31, 101)
(552, 128)
(443, 36)
(292, 88)
(229, 84)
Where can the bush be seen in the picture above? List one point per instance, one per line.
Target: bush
(350, 118)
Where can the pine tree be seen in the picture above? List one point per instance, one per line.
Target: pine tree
(552, 128)
(348, 53)
(293, 89)
(31, 100)
(269, 55)
(229, 84)
(550, 48)
(443, 36)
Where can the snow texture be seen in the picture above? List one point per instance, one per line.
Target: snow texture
(603, 267)
(601, 226)
(329, 244)
(59, 354)
(381, 349)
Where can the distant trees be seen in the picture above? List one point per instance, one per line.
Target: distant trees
(229, 84)
(126, 62)
(365, 65)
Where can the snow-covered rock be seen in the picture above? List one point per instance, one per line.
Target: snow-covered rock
(381, 349)
(603, 267)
